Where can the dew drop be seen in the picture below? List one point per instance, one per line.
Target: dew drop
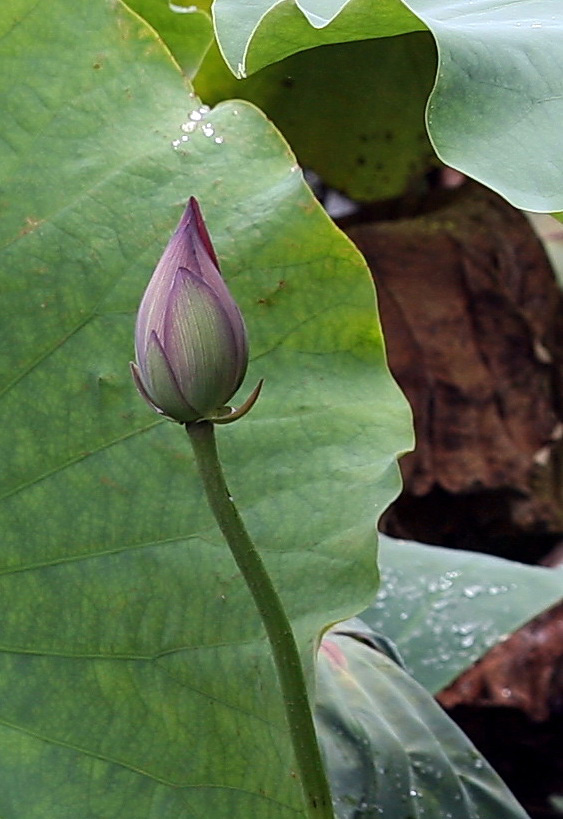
(175, 143)
(219, 140)
(472, 591)
(208, 130)
(498, 589)
(195, 116)
(465, 628)
(188, 127)
(182, 9)
(184, 137)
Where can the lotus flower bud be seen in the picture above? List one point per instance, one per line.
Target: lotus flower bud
(191, 345)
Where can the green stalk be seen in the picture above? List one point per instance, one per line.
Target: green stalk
(278, 628)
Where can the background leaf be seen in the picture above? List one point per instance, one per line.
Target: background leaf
(187, 31)
(319, 13)
(391, 749)
(497, 107)
(252, 36)
(134, 675)
(444, 608)
(370, 146)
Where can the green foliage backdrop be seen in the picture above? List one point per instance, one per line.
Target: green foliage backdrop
(497, 105)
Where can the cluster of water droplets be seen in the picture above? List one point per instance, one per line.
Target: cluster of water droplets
(197, 122)
(437, 609)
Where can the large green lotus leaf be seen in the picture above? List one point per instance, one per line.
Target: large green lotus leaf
(497, 107)
(135, 679)
(390, 748)
(253, 35)
(445, 608)
(371, 145)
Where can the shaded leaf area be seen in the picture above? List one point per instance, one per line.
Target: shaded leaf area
(470, 308)
(254, 35)
(391, 750)
(496, 110)
(497, 104)
(370, 146)
(135, 679)
(187, 31)
(445, 608)
(523, 672)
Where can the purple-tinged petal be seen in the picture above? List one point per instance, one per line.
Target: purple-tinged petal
(240, 350)
(141, 387)
(161, 384)
(151, 310)
(197, 260)
(193, 214)
(197, 253)
(200, 342)
(189, 247)
(190, 338)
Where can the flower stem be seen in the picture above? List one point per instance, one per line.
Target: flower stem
(278, 628)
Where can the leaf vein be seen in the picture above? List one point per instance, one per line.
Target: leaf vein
(77, 459)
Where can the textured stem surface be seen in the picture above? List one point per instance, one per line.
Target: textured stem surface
(278, 628)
